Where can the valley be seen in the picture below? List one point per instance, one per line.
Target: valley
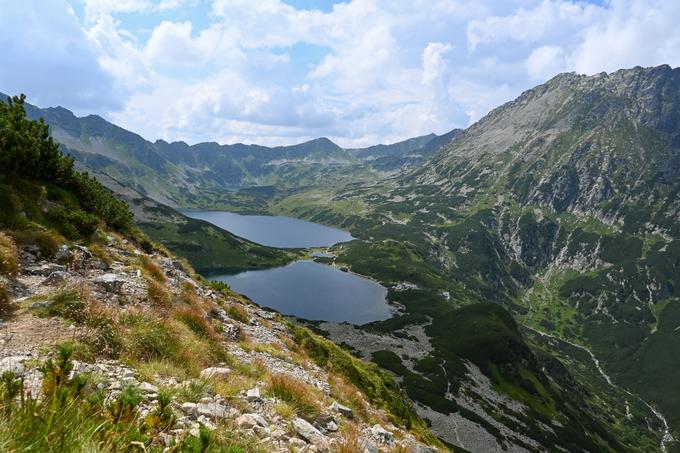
(533, 257)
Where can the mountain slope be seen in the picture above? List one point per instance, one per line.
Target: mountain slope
(562, 207)
(112, 344)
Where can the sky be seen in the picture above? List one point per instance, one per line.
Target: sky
(277, 72)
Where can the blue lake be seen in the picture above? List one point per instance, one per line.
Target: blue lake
(274, 231)
(313, 291)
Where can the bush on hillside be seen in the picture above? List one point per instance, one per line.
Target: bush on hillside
(28, 151)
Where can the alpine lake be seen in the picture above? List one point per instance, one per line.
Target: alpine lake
(304, 289)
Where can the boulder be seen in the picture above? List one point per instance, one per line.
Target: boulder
(311, 434)
(253, 394)
(148, 388)
(215, 373)
(212, 410)
(340, 409)
(112, 283)
(189, 409)
(56, 278)
(13, 364)
(250, 421)
(44, 270)
(380, 434)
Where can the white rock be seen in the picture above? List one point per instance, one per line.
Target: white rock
(148, 388)
(250, 421)
(110, 282)
(13, 364)
(340, 409)
(310, 433)
(212, 410)
(204, 421)
(215, 372)
(381, 434)
(189, 408)
(253, 394)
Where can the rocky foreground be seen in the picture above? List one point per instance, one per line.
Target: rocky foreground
(266, 391)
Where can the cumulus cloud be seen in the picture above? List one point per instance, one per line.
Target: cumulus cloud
(434, 64)
(47, 55)
(544, 62)
(365, 71)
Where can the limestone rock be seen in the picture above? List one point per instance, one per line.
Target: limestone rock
(148, 388)
(253, 394)
(56, 278)
(212, 410)
(13, 364)
(311, 434)
(340, 409)
(110, 282)
(44, 269)
(215, 372)
(250, 421)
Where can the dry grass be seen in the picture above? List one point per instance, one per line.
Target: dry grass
(234, 384)
(152, 268)
(9, 258)
(158, 295)
(151, 371)
(102, 254)
(347, 394)
(239, 313)
(285, 410)
(6, 306)
(195, 319)
(350, 440)
(302, 396)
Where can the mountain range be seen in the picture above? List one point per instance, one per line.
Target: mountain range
(534, 255)
(182, 175)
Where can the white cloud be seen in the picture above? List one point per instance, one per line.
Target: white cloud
(267, 72)
(545, 62)
(434, 64)
(48, 56)
(636, 33)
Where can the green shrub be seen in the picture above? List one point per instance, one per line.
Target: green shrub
(28, 151)
(73, 223)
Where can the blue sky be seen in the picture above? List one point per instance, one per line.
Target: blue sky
(283, 71)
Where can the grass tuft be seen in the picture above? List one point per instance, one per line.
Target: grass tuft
(239, 313)
(9, 259)
(158, 295)
(152, 268)
(300, 395)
